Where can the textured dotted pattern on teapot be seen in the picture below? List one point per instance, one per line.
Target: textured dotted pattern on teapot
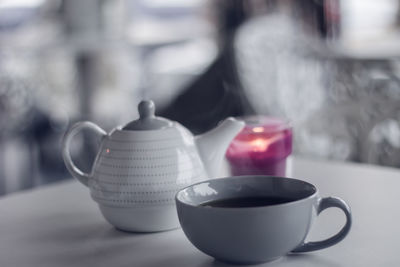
(142, 169)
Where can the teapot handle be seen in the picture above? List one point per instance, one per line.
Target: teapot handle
(77, 173)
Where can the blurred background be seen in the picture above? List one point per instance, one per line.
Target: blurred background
(331, 66)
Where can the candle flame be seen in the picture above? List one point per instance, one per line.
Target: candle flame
(260, 144)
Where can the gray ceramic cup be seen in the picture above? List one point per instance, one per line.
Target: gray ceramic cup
(254, 235)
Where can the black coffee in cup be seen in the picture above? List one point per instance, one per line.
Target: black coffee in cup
(248, 202)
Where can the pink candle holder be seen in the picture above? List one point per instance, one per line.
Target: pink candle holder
(261, 148)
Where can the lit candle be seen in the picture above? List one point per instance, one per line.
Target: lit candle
(262, 147)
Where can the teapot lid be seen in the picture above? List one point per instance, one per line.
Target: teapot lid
(147, 119)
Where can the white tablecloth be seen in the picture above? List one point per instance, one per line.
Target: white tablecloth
(59, 225)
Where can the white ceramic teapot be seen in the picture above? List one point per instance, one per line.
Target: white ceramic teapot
(142, 165)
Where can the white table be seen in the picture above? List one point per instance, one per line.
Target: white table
(59, 225)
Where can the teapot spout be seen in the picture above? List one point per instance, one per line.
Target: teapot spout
(213, 144)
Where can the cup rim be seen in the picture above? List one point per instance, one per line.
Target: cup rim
(315, 193)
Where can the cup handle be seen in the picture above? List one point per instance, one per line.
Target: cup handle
(323, 204)
(75, 171)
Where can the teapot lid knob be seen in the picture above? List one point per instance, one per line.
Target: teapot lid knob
(146, 109)
(147, 119)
